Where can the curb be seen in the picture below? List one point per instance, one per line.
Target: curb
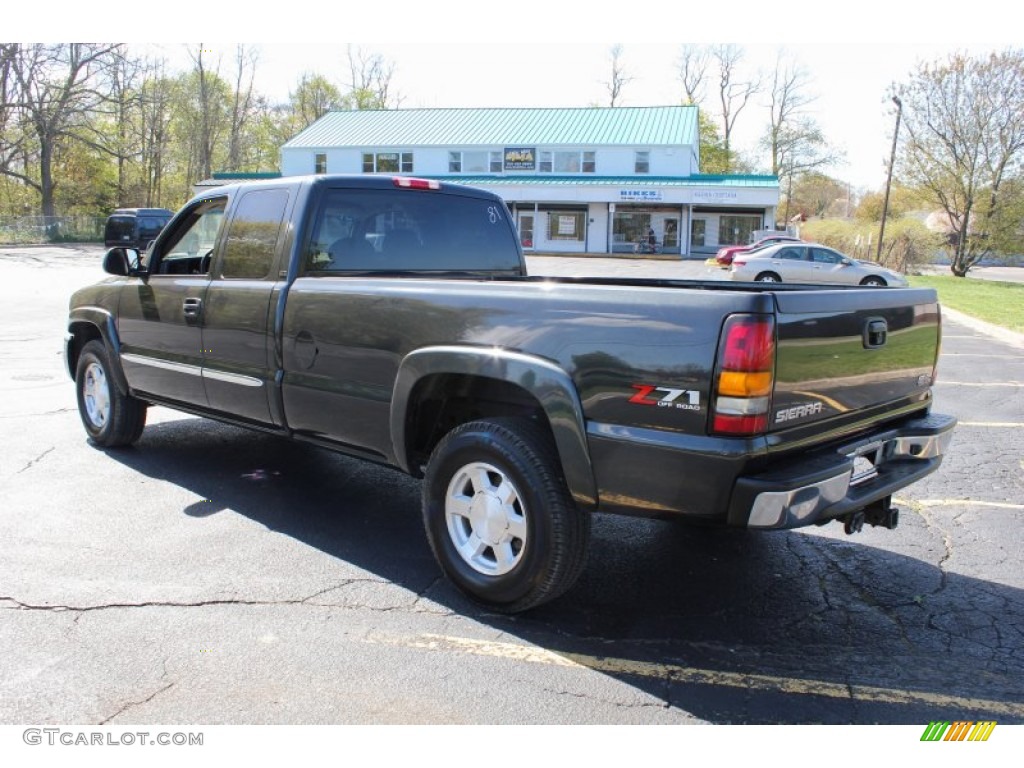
(1012, 338)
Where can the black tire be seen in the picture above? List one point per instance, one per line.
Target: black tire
(767, 277)
(110, 418)
(873, 282)
(531, 538)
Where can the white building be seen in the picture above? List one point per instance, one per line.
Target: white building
(582, 180)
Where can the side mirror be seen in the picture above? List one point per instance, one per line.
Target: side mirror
(119, 262)
(846, 263)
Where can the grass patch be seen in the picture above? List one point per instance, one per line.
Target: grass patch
(994, 302)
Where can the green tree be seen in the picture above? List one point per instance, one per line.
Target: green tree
(313, 97)
(714, 157)
(814, 193)
(964, 144)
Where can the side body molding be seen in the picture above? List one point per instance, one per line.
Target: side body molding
(546, 382)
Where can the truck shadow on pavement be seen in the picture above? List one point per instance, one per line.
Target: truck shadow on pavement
(787, 627)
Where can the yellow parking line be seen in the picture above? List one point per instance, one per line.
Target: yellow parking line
(971, 354)
(681, 674)
(1000, 424)
(967, 503)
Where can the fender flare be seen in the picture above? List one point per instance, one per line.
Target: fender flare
(103, 321)
(546, 382)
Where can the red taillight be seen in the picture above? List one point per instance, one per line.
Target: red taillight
(749, 344)
(409, 183)
(745, 375)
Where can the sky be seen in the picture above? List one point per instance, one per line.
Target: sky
(453, 53)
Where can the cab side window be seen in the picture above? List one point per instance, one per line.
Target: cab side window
(189, 248)
(250, 248)
(822, 256)
(790, 254)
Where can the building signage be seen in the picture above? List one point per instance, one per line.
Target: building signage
(639, 195)
(716, 194)
(567, 225)
(520, 158)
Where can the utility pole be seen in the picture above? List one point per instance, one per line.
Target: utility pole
(888, 181)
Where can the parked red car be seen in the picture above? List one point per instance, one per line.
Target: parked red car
(725, 255)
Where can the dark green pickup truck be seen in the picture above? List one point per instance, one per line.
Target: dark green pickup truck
(393, 319)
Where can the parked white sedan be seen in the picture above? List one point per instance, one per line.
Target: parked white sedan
(810, 263)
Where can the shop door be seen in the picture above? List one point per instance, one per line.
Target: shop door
(670, 236)
(526, 230)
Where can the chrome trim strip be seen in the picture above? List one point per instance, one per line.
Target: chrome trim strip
(193, 370)
(167, 365)
(232, 378)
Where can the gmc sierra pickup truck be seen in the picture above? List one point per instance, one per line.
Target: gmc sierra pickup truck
(393, 320)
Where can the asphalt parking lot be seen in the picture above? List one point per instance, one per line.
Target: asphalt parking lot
(211, 575)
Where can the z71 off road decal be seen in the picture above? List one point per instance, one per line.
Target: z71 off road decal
(666, 397)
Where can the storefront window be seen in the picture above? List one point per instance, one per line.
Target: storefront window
(566, 225)
(630, 227)
(737, 230)
(698, 228)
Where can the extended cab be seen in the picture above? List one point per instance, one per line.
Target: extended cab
(393, 319)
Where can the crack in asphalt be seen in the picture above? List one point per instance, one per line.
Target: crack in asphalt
(36, 460)
(131, 704)
(20, 605)
(15, 604)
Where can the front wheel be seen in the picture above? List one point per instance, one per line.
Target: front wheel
(499, 517)
(873, 282)
(110, 418)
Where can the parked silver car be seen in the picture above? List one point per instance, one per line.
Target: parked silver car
(810, 263)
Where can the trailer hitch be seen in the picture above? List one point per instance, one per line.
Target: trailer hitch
(880, 513)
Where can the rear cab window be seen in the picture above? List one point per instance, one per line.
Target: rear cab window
(398, 230)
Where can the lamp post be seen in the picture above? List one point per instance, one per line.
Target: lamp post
(888, 181)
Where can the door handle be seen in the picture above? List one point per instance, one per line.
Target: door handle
(192, 307)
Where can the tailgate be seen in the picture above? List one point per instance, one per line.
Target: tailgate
(844, 352)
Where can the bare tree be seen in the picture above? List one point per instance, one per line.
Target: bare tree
(694, 61)
(246, 59)
(155, 119)
(56, 87)
(370, 76)
(124, 141)
(209, 125)
(734, 93)
(794, 140)
(964, 144)
(619, 78)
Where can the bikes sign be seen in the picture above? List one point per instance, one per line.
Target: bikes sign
(640, 195)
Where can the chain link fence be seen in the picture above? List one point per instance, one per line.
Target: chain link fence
(30, 230)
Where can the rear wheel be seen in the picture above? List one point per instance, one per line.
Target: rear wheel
(110, 418)
(768, 277)
(499, 517)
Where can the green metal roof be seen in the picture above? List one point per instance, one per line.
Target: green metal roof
(503, 127)
(546, 179)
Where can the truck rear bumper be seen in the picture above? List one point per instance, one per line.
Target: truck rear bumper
(826, 485)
